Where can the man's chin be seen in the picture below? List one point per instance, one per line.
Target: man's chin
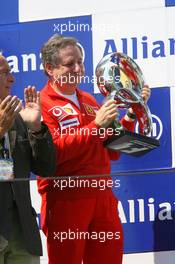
(70, 84)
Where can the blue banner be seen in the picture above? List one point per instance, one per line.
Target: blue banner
(169, 2)
(21, 45)
(147, 210)
(9, 12)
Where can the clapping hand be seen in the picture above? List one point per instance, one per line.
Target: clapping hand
(31, 113)
(9, 107)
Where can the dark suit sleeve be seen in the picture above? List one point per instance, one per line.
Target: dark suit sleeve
(43, 152)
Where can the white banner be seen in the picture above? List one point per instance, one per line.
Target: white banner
(145, 35)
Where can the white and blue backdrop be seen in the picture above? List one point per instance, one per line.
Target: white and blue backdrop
(145, 31)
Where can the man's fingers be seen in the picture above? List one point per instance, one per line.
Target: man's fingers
(18, 107)
(10, 105)
(109, 102)
(30, 94)
(113, 116)
(34, 94)
(38, 99)
(13, 105)
(112, 111)
(26, 95)
(146, 92)
(5, 102)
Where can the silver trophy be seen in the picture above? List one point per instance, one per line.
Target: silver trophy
(121, 79)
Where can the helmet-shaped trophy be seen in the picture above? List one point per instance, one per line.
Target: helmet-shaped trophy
(121, 79)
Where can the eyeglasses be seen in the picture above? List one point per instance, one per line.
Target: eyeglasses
(5, 73)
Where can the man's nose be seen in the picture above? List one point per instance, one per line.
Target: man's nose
(77, 67)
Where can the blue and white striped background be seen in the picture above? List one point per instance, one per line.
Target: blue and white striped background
(145, 30)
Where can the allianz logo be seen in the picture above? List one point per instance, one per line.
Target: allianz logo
(135, 47)
(25, 62)
(141, 47)
(145, 210)
(157, 127)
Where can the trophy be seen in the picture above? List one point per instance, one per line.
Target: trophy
(121, 79)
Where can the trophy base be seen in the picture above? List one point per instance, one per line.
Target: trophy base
(131, 143)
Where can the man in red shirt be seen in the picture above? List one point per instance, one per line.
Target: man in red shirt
(79, 217)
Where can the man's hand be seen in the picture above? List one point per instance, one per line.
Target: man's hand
(31, 114)
(107, 114)
(146, 93)
(8, 109)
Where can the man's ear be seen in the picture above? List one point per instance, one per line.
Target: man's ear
(49, 69)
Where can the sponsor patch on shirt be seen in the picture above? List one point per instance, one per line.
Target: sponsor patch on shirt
(62, 111)
(90, 110)
(69, 109)
(69, 123)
